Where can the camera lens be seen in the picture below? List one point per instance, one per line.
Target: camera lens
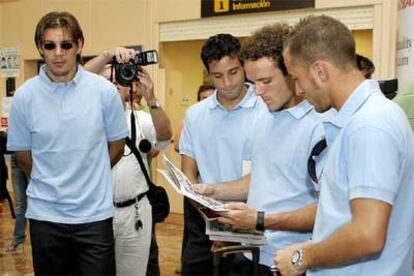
(125, 74)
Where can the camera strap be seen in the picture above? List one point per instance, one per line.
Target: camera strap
(316, 151)
(131, 145)
(133, 126)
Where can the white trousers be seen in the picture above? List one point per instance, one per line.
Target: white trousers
(131, 245)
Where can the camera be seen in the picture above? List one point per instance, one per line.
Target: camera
(126, 73)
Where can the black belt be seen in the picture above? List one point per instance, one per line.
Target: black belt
(129, 202)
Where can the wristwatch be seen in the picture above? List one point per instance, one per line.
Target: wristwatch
(260, 221)
(297, 259)
(154, 105)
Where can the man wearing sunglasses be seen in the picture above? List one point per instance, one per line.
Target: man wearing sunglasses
(67, 128)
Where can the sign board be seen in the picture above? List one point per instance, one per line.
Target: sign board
(405, 58)
(226, 7)
(405, 50)
(6, 104)
(9, 62)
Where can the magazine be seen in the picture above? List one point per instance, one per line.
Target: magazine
(182, 185)
(210, 209)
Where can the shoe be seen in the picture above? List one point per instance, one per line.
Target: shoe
(13, 247)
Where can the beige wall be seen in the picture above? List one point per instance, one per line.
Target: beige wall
(2, 81)
(176, 10)
(106, 23)
(183, 75)
(363, 41)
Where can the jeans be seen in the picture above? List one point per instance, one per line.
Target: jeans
(196, 249)
(19, 181)
(73, 249)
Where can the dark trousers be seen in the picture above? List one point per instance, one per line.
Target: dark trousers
(73, 249)
(153, 267)
(242, 266)
(197, 258)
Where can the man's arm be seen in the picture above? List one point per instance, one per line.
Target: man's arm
(230, 191)
(243, 216)
(301, 219)
(162, 125)
(116, 150)
(24, 159)
(363, 236)
(189, 168)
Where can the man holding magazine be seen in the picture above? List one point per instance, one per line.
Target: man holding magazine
(281, 198)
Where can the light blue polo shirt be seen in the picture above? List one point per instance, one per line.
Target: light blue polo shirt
(371, 156)
(215, 137)
(67, 128)
(280, 182)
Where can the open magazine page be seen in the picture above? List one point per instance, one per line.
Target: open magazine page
(181, 184)
(209, 209)
(171, 179)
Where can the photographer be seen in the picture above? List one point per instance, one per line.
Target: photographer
(132, 221)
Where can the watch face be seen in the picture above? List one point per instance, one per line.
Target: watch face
(295, 257)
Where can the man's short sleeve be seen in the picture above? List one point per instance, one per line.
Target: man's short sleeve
(372, 160)
(186, 142)
(19, 130)
(115, 123)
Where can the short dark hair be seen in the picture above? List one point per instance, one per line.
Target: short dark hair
(321, 37)
(219, 46)
(202, 88)
(365, 65)
(267, 42)
(64, 20)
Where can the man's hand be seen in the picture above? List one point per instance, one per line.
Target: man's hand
(123, 55)
(145, 87)
(283, 260)
(97, 64)
(204, 189)
(240, 216)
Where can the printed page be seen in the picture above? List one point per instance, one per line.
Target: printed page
(181, 184)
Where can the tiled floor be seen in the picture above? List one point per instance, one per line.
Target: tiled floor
(169, 235)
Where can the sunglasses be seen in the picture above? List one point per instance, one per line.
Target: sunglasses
(65, 45)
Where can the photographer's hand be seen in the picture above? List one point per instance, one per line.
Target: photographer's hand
(146, 87)
(121, 54)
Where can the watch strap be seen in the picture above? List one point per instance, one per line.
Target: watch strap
(260, 221)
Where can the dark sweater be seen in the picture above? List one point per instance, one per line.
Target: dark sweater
(3, 167)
